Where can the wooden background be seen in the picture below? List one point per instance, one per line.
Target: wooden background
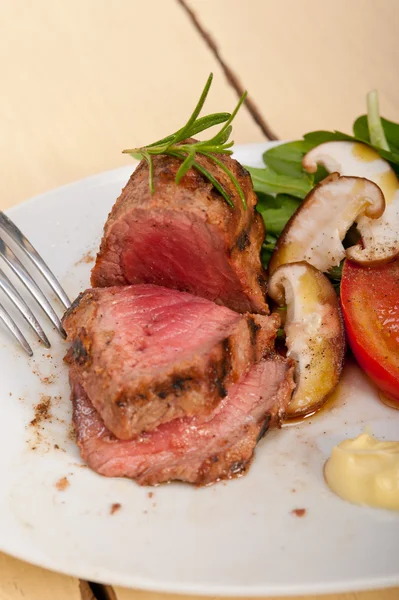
(82, 79)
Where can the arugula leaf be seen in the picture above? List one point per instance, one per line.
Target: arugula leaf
(267, 249)
(335, 275)
(361, 128)
(392, 134)
(286, 159)
(321, 136)
(276, 211)
(268, 181)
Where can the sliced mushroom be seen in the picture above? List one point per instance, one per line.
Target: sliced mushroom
(314, 333)
(316, 230)
(380, 236)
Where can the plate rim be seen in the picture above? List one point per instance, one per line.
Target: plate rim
(147, 584)
(218, 590)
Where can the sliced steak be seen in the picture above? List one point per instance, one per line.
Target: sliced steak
(186, 236)
(192, 449)
(146, 355)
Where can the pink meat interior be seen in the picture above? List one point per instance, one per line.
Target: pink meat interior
(182, 252)
(154, 326)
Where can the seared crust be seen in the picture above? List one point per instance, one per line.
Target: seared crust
(131, 404)
(191, 450)
(239, 232)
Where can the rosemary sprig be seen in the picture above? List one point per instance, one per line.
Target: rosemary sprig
(174, 145)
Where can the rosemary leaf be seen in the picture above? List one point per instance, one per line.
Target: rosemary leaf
(185, 132)
(199, 125)
(165, 140)
(222, 136)
(220, 139)
(200, 147)
(148, 160)
(185, 166)
(230, 175)
(214, 182)
(208, 121)
(230, 119)
(206, 174)
(174, 145)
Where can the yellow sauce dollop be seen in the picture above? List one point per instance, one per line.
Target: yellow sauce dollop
(365, 471)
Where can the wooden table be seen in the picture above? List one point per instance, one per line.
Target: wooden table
(85, 78)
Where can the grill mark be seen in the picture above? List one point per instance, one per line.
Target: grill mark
(211, 472)
(218, 383)
(177, 384)
(123, 399)
(243, 241)
(165, 173)
(262, 283)
(237, 467)
(221, 368)
(80, 351)
(74, 306)
(68, 358)
(216, 194)
(253, 330)
(242, 171)
(225, 366)
(265, 427)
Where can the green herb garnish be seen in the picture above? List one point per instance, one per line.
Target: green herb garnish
(175, 145)
(276, 211)
(267, 181)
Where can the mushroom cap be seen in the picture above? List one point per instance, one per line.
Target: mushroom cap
(316, 230)
(314, 329)
(380, 236)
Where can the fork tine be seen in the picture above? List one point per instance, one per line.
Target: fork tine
(18, 268)
(14, 330)
(19, 302)
(16, 234)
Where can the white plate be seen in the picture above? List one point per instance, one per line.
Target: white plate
(236, 538)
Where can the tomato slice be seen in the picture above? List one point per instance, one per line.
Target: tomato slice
(370, 305)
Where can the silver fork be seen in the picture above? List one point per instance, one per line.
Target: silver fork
(13, 262)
